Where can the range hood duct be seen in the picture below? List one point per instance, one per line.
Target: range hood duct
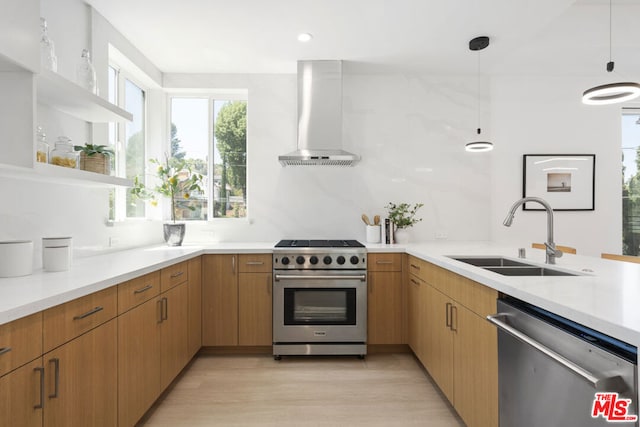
(319, 117)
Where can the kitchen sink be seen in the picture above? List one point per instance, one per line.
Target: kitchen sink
(490, 261)
(528, 271)
(509, 267)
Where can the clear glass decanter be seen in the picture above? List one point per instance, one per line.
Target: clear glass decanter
(48, 58)
(86, 73)
(42, 148)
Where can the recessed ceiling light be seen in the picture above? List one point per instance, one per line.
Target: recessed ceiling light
(304, 37)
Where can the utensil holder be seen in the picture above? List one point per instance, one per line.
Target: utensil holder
(373, 233)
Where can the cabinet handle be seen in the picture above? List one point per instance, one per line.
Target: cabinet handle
(414, 282)
(4, 350)
(88, 313)
(417, 267)
(382, 261)
(165, 315)
(160, 310)
(141, 290)
(178, 274)
(447, 315)
(255, 263)
(454, 318)
(56, 382)
(40, 405)
(233, 264)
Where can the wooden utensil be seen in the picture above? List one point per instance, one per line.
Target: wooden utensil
(365, 218)
(376, 220)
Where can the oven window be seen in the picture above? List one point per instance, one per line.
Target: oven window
(320, 306)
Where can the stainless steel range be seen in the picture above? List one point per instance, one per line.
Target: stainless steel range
(319, 298)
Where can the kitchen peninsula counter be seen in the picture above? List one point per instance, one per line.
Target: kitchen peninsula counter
(604, 297)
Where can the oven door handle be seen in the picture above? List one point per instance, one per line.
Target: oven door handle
(361, 277)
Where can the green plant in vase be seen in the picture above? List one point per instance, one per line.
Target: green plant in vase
(95, 158)
(403, 216)
(176, 180)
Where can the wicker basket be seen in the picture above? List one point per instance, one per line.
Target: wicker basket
(98, 163)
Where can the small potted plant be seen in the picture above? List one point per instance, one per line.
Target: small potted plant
(176, 181)
(95, 158)
(403, 216)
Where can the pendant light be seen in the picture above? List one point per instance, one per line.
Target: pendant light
(611, 93)
(477, 44)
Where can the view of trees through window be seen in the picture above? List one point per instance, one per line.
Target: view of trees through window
(204, 129)
(631, 183)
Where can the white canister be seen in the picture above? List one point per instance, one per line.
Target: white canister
(373, 234)
(56, 253)
(16, 258)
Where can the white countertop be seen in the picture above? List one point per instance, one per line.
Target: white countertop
(606, 298)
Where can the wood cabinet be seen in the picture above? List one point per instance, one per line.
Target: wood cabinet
(81, 382)
(236, 300)
(195, 306)
(384, 300)
(452, 339)
(173, 333)
(139, 346)
(220, 300)
(20, 342)
(22, 396)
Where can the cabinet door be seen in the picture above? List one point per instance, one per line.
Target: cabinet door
(254, 309)
(22, 396)
(384, 308)
(438, 352)
(174, 342)
(138, 361)
(475, 369)
(82, 380)
(219, 300)
(195, 306)
(415, 321)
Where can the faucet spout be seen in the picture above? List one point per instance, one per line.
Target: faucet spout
(551, 252)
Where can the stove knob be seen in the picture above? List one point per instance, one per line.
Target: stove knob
(313, 260)
(354, 260)
(300, 259)
(340, 260)
(285, 260)
(327, 260)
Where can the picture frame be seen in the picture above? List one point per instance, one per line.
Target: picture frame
(565, 181)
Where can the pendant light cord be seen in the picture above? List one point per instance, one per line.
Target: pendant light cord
(478, 84)
(610, 64)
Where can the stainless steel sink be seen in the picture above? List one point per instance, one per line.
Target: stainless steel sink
(528, 271)
(490, 261)
(509, 267)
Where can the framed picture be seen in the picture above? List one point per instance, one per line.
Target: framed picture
(566, 181)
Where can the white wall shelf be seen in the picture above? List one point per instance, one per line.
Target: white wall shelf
(66, 96)
(62, 175)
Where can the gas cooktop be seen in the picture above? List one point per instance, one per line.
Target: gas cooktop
(319, 244)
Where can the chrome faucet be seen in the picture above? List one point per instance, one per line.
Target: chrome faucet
(551, 253)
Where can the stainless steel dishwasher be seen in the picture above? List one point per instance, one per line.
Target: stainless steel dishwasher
(550, 369)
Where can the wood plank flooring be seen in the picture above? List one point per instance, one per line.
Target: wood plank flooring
(381, 390)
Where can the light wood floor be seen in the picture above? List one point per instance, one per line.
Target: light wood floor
(382, 390)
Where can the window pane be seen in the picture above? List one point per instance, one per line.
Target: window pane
(134, 143)
(631, 184)
(189, 136)
(230, 159)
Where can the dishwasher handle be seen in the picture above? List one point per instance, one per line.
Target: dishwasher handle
(613, 383)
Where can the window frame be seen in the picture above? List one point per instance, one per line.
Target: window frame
(211, 96)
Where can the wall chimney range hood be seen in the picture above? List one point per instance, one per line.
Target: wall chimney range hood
(319, 117)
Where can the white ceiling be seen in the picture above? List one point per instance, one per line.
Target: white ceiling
(259, 36)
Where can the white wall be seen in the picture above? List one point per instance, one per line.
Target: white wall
(544, 115)
(410, 131)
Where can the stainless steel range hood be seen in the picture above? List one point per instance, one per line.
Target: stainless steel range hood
(319, 117)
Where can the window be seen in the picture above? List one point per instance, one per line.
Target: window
(128, 140)
(631, 182)
(210, 133)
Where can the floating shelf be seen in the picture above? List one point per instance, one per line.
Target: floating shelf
(62, 175)
(68, 97)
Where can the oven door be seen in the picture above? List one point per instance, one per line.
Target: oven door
(313, 307)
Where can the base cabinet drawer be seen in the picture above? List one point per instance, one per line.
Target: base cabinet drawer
(20, 342)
